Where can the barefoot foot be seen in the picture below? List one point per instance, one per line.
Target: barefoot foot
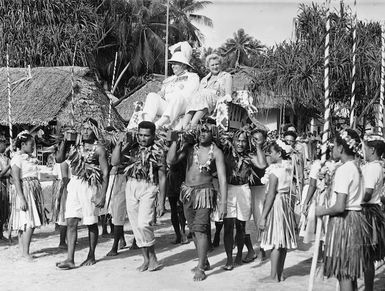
(112, 253)
(143, 267)
(199, 275)
(65, 265)
(154, 266)
(89, 262)
(238, 260)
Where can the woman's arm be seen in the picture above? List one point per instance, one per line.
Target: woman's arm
(270, 197)
(311, 190)
(16, 173)
(336, 209)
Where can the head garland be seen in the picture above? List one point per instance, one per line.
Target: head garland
(351, 140)
(285, 147)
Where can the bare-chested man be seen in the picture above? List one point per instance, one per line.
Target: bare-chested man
(197, 193)
(86, 190)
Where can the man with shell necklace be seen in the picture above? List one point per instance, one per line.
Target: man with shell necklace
(197, 192)
(86, 189)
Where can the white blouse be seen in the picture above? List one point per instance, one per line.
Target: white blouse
(28, 165)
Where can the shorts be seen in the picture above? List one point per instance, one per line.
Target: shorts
(81, 201)
(198, 201)
(239, 202)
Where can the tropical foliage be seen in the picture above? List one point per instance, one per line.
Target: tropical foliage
(46, 32)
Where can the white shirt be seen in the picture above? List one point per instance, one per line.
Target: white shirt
(348, 181)
(373, 179)
(28, 165)
(185, 84)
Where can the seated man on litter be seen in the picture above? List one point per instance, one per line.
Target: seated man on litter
(171, 101)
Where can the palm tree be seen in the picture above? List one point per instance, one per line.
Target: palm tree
(241, 47)
(183, 14)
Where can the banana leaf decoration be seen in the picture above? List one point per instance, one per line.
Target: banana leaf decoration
(142, 167)
(83, 169)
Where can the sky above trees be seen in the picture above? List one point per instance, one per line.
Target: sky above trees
(270, 21)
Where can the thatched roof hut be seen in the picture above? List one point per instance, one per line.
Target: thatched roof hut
(46, 97)
(126, 106)
(244, 79)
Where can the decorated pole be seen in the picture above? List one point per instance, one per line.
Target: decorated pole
(72, 88)
(9, 101)
(353, 91)
(112, 86)
(325, 137)
(166, 49)
(382, 88)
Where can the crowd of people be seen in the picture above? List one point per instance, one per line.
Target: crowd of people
(230, 178)
(237, 178)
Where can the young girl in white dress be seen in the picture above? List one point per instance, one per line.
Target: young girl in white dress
(28, 209)
(343, 255)
(277, 221)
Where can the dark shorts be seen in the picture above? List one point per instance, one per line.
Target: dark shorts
(198, 202)
(198, 220)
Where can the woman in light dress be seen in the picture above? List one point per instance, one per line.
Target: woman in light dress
(216, 86)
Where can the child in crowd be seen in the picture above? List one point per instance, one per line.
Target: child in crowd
(277, 221)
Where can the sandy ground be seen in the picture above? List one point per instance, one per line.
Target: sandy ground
(119, 273)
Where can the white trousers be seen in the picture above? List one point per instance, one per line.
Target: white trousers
(172, 106)
(140, 199)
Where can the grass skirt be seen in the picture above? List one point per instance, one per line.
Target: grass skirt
(35, 215)
(280, 225)
(59, 202)
(375, 241)
(204, 196)
(344, 251)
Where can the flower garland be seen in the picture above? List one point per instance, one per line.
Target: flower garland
(287, 148)
(351, 142)
(206, 166)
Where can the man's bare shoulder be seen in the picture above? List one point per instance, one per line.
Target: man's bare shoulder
(217, 151)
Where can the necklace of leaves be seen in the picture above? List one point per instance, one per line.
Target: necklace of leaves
(205, 167)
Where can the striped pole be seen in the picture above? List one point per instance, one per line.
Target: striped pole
(9, 101)
(72, 88)
(382, 88)
(325, 136)
(353, 91)
(166, 49)
(112, 86)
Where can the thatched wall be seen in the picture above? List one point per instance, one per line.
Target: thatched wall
(126, 107)
(46, 97)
